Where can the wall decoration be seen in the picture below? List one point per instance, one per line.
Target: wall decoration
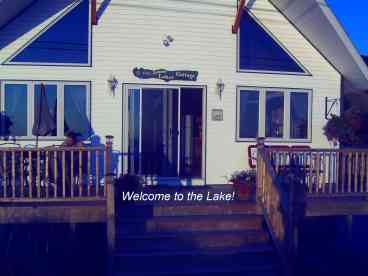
(217, 115)
(165, 75)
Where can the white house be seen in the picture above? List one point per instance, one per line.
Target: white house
(182, 94)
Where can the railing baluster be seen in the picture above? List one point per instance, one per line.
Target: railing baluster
(337, 173)
(361, 172)
(80, 173)
(64, 173)
(89, 173)
(72, 186)
(305, 169)
(323, 172)
(21, 174)
(366, 172)
(38, 175)
(47, 173)
(311, 172)
(355, 164)
(343, 171)
(331, 166)
(350, 170)
(317, 170)
(13, 174)
(55, 174)
(97, 173)
(30, 168)
(5, 191)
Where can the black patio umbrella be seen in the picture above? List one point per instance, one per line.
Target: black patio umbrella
(44, 123)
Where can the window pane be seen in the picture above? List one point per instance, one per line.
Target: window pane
(60, 45)
(274, 114)
(260, 51)
(14, 121)
(76, 118)
(248, 114)
(51, 97)
(299, 115)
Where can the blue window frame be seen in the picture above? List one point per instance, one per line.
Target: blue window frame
(67, 41)
(260, 51)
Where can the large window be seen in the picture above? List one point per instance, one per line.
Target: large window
(277, 114)
(68, 105)
(66, 41)
(259, 50)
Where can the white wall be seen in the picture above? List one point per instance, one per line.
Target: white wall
(130, 34)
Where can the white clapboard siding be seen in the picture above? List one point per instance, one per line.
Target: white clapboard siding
(129, 34)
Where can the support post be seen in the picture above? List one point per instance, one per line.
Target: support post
(239, 14)
(260, 146)
(94, 12)
(110, 201)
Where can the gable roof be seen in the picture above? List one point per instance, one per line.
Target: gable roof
(331, 40)
(12, 8)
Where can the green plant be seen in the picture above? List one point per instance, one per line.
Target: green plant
(244, 176)
(344, 129)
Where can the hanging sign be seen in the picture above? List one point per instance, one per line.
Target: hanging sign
(165, 75)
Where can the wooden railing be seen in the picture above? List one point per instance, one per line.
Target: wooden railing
(326, 172)
(54, 172)
(282, 199)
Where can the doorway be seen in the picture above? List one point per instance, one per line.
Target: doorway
(163, 134)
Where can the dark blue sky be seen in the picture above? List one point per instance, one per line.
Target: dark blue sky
(353, 15)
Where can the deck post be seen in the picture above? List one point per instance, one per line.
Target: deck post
(260, 146)
(110, 201)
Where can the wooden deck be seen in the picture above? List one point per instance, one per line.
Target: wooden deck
(337, 206)
(53, 211)
(76, 185)
(293, 184)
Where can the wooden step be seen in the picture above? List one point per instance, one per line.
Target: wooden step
(177, 224)
(195, 262)
(175, 209)
(164, 242)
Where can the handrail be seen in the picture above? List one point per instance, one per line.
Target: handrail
(55, 172)
(332, 172)
(281, 199)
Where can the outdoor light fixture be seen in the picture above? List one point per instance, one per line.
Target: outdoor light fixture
(220, 85)
(168, 39)
(113, 83)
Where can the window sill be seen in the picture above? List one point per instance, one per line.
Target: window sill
(33, 139)
(273, 140)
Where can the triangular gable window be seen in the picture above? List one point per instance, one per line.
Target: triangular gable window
(260, 51)
(66, 42)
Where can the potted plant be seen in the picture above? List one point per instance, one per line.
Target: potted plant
(244, 183)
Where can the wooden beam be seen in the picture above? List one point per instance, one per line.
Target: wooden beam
(94, 12)
(239, 14)
(53, 214)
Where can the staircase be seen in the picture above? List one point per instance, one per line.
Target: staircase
(193, 238)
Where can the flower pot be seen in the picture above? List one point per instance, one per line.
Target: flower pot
(244, 189)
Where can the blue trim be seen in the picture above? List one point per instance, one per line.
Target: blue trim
(269, 33)
(10, 61)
